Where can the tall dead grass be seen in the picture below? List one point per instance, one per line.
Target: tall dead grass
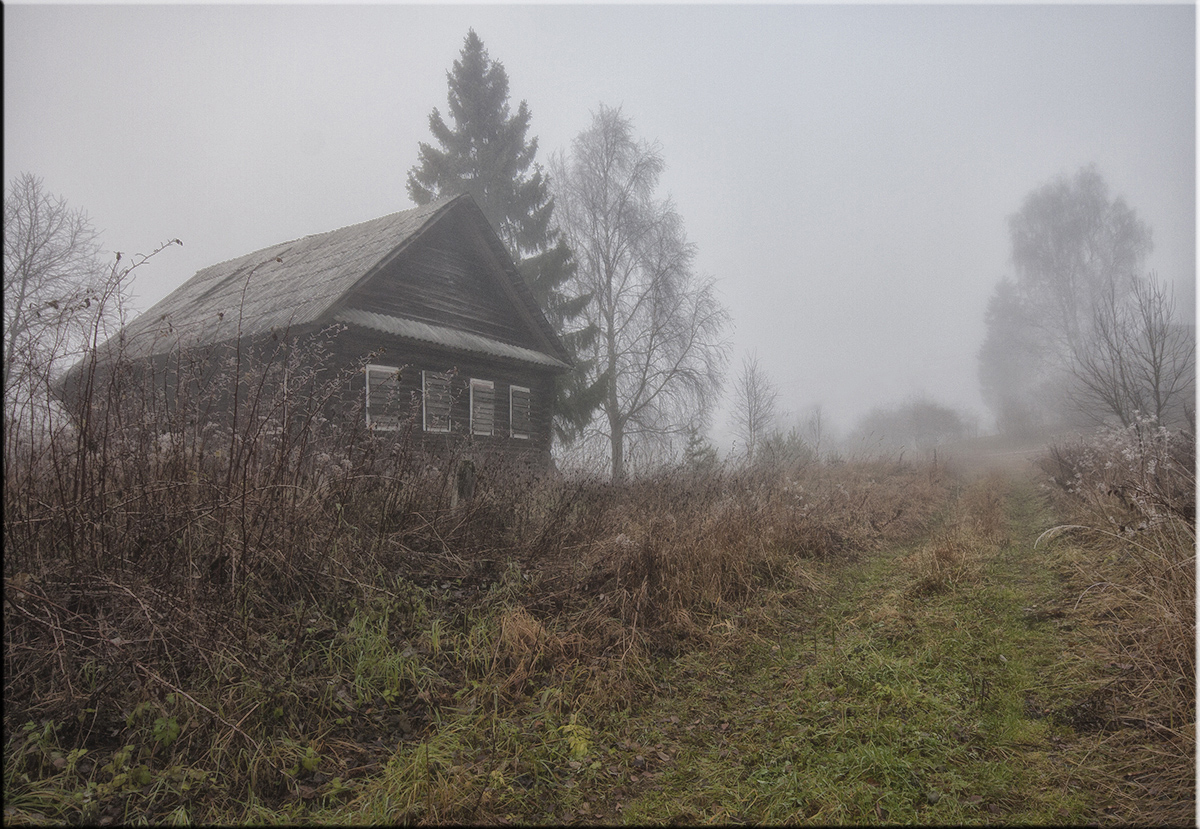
(1128, 496)
(974, 527)
(212, 564)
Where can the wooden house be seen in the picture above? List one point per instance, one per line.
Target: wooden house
(426, 304)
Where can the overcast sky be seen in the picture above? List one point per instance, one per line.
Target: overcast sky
(846, 171)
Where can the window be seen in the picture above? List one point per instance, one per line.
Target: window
(518, 412)
(435, 401)
(483, 407)
(383, 398)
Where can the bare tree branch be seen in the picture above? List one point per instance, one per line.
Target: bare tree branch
(754, 400)
(659, 350)
(1137, 360)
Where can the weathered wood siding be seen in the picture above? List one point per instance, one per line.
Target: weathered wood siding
(444, 282)
(187, 378)
(354, 346)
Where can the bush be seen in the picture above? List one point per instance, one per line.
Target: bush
(253, 594)
(1129, 495)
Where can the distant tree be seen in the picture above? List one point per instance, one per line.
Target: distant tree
(1073, 247)
(1013, 371)
(659, 351)
(779, 448)
(815, 429)
(754, 401)
(487, 152)
(919, 423)
(1138, 360)
(699, 455)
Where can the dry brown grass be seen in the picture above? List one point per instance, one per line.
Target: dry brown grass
(1129, 499)
(974, 528)
(249, 579)
(982, 504)
(948, 560)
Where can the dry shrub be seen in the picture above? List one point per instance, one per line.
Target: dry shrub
(1129, 497)
(949, 559)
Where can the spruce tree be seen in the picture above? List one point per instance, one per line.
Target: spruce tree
(486, 151)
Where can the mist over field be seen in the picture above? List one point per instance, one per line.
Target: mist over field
(610, 414)
(846, 174)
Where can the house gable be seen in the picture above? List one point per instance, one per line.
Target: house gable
(447, 281)
(436, 268)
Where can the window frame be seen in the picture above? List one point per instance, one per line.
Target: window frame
(489, 385)
(512, 422)
(395, 371)
(441, 376)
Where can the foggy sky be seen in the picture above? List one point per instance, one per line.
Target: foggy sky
(846, 171)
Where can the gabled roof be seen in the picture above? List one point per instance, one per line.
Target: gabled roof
(302, 282)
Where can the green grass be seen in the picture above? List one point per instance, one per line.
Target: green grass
(929, 683)
(902, 706)
(880, 700)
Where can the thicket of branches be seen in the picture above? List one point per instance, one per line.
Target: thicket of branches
(659, 351)
(59, 298)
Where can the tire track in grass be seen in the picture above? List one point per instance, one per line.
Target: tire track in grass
(903, 699)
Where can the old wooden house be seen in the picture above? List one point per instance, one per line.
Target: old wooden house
(426, 304)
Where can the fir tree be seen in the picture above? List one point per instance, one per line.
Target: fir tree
(487, 152)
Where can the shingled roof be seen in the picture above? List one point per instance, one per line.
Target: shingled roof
(301, 282)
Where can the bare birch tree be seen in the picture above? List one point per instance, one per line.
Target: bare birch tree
(815, 428)
(659, 349)
(754, 402)
(60, 302)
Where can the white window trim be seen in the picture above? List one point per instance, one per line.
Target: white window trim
(424, 397)
(511, 427)
(384, 427)
(491, 386)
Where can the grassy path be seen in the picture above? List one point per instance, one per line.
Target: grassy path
(947, 682)
(893, 697)
(964, 678)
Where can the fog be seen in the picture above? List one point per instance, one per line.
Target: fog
(846, 172)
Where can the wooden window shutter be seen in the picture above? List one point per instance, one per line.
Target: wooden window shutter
(518, 412)
(435, 401)
(483, 407)
(384, 405)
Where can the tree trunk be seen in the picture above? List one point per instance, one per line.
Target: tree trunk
(617, 430)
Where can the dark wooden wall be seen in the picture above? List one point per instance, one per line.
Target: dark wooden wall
(441, 281)
(206, 374)
(445, 277)
(357, 346)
